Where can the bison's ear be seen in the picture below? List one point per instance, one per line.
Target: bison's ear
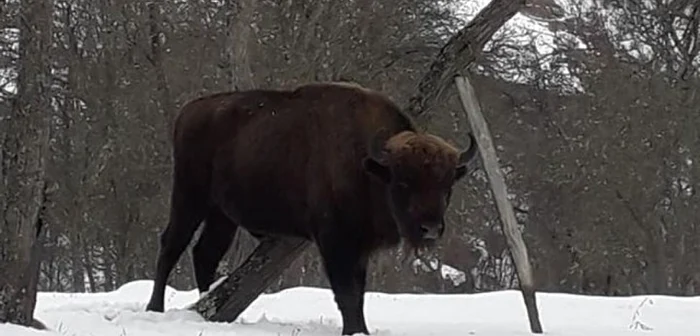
(377, 169)
(460, 172)
(375, 162)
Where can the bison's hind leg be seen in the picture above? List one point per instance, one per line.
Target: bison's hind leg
(215, 240)
(187, 210)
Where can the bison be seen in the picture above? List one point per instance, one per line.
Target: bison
(334, 163)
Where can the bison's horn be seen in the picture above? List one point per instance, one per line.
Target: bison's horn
(376, 146)
(468, 154)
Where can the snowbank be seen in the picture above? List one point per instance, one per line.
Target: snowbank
(312, 312)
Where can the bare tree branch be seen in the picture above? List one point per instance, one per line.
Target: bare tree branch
(461, 51)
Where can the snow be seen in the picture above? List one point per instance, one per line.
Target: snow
(213, 286)
(447, 272)
(450, 273)
(311, 312)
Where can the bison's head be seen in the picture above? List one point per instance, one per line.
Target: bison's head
(419, 171)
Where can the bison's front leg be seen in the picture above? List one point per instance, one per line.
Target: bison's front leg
(346, 267)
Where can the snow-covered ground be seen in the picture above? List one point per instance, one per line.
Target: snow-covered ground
(311, 312)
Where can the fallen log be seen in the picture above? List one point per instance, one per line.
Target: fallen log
(227, 300)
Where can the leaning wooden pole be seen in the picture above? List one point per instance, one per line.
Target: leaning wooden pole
(514, 239)
(226, 301)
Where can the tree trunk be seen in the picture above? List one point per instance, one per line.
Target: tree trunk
(77, 271)
(25, 150)
(230, 298)
(240, 16)
(165, 103)
(89, 269)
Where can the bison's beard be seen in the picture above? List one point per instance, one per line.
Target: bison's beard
(409, 253)
(425, 249)
(413, 245)
(412, 242)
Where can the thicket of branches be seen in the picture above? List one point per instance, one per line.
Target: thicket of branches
(595, 133)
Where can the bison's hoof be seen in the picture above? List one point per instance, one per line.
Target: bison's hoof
(154, 308)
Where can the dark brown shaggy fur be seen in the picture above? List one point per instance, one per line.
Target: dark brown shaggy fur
(334, 163)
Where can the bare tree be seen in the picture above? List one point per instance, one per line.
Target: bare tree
(24, 157)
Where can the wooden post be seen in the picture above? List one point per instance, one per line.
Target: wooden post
(498, 186)
(231, 297)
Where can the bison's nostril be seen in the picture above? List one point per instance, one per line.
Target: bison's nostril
(430, 231)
